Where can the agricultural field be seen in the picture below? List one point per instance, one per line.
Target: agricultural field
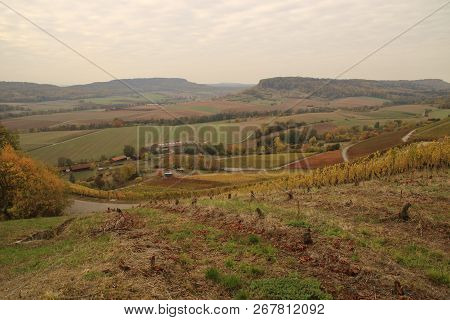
(32, 141)
(110, 141)
(215, 106)
(76, 118)
(264, 161)
(318, 161)
(352, 102)
(48, 105)
(434, 130)
(197, 181)
(379, 143)
(96, 116)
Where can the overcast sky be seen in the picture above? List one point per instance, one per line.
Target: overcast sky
(208, 41)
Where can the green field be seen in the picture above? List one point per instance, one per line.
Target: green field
(31, 141)
(434, 130)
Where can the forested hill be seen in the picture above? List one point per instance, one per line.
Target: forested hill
(30, 92)
(399, 91)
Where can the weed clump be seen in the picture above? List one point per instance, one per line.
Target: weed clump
(253, 239)
(228, 281)
(438, 277)
(231, 282)
(212, 274)
(291, 287)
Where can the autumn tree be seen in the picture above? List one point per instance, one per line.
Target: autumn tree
(63, 162)
(129, 151)
(118, 123)
(28, 188)
(123, 174)
(8, 137)
(278, 145)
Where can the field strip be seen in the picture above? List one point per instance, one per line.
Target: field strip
(68, 140)
(61, 123)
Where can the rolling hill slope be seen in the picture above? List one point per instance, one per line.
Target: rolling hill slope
(31, 92)
(401, 91)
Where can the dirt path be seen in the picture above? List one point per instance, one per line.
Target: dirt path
(408, 135)
(345, 152)
(83, 206)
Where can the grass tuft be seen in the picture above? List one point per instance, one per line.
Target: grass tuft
(212, 274)
(287, 288)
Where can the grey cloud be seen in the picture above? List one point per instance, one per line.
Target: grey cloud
(212, 41)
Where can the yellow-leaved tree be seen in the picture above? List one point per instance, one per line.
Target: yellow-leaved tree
(28, 188)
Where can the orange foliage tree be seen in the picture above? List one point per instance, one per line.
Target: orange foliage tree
(28, 188)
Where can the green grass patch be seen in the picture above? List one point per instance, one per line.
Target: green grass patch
(73, 248)
(291, 287)
(231, 281)
(333, 231)
(230, 264)
(228, 281)
(265, 250)
(212, 274)
(298, 224)
(439, 277)
(253, 239)
(433, 263)
(251, 270)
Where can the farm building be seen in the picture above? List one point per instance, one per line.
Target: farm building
(168, 174)
(118, 158)
(80, 167)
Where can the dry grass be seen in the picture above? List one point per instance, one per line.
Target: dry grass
(220, 248)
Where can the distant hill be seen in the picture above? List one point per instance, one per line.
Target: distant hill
(33, 92)
(230, 85)
(402, 91)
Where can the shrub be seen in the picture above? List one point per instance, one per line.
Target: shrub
(8, 138)
(28, 188)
